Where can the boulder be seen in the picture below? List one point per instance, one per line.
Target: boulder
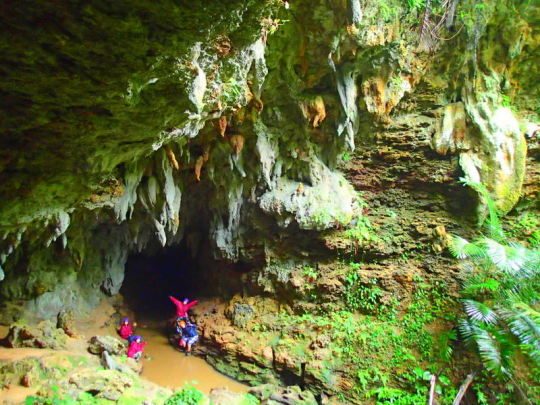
(43, 335)
(66, 322)
(106, 384)
(122, 363)
(99, 344)
(242, 314)
(222, 396)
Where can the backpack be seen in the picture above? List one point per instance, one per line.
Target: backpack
(190, 330)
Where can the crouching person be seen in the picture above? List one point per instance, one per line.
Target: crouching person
(188, 335)
(136, 348)
(126, 329)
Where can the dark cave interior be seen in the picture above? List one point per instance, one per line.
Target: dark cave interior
(152, 276)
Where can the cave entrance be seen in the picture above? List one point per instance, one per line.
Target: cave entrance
(159, 272)
(150, 278)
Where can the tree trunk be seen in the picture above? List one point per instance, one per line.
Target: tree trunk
(463, 388)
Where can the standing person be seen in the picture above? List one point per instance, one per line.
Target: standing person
(126, 330)
(182, 308)
(136, 348)
(189, 336)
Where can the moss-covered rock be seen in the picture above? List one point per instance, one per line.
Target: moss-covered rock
(44, 335)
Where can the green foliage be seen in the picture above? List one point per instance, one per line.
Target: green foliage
(376, 342)
(232, 92)
(362, 297)
(189, 395)
(310, 273)
(415, 4)
(527, 227)
(505, 101)
(474, 14)
(388, 10)
(361, 232)
(500, 298)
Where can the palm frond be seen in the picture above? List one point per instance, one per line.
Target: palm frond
(466, 331)
(508, 258)
(531, 266)
(475, 251)
(457, 247)
(524, 323)
(475, 285)
(526, 326)
(495, 350)
(508, 274)
(479, 312)
(527, 330)
(463, 249)
(521, 296)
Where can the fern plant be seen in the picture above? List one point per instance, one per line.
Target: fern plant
(500, 296)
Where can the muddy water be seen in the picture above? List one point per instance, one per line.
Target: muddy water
(165, 365)
(170, 367)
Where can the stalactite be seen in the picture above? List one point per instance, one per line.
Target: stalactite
(206, 153)
(237, 143)
(198, 167)
(172, 159)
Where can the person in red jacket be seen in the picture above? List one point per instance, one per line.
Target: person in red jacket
(126, 330)
(136, 348)
(182, 308)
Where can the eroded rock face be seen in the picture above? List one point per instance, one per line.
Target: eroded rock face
(106, 384)
(43, 335)
(273, 395)
(230, 126)
(222, 396)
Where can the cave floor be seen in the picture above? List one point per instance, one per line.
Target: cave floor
(162, 364)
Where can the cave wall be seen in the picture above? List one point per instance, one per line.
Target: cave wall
(280, 136)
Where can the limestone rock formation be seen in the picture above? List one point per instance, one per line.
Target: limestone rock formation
(273, 395)
(43, 335)
(100, 344)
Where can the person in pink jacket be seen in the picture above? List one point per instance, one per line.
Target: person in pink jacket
(136, 348)
(126, 330)
(182, 308)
